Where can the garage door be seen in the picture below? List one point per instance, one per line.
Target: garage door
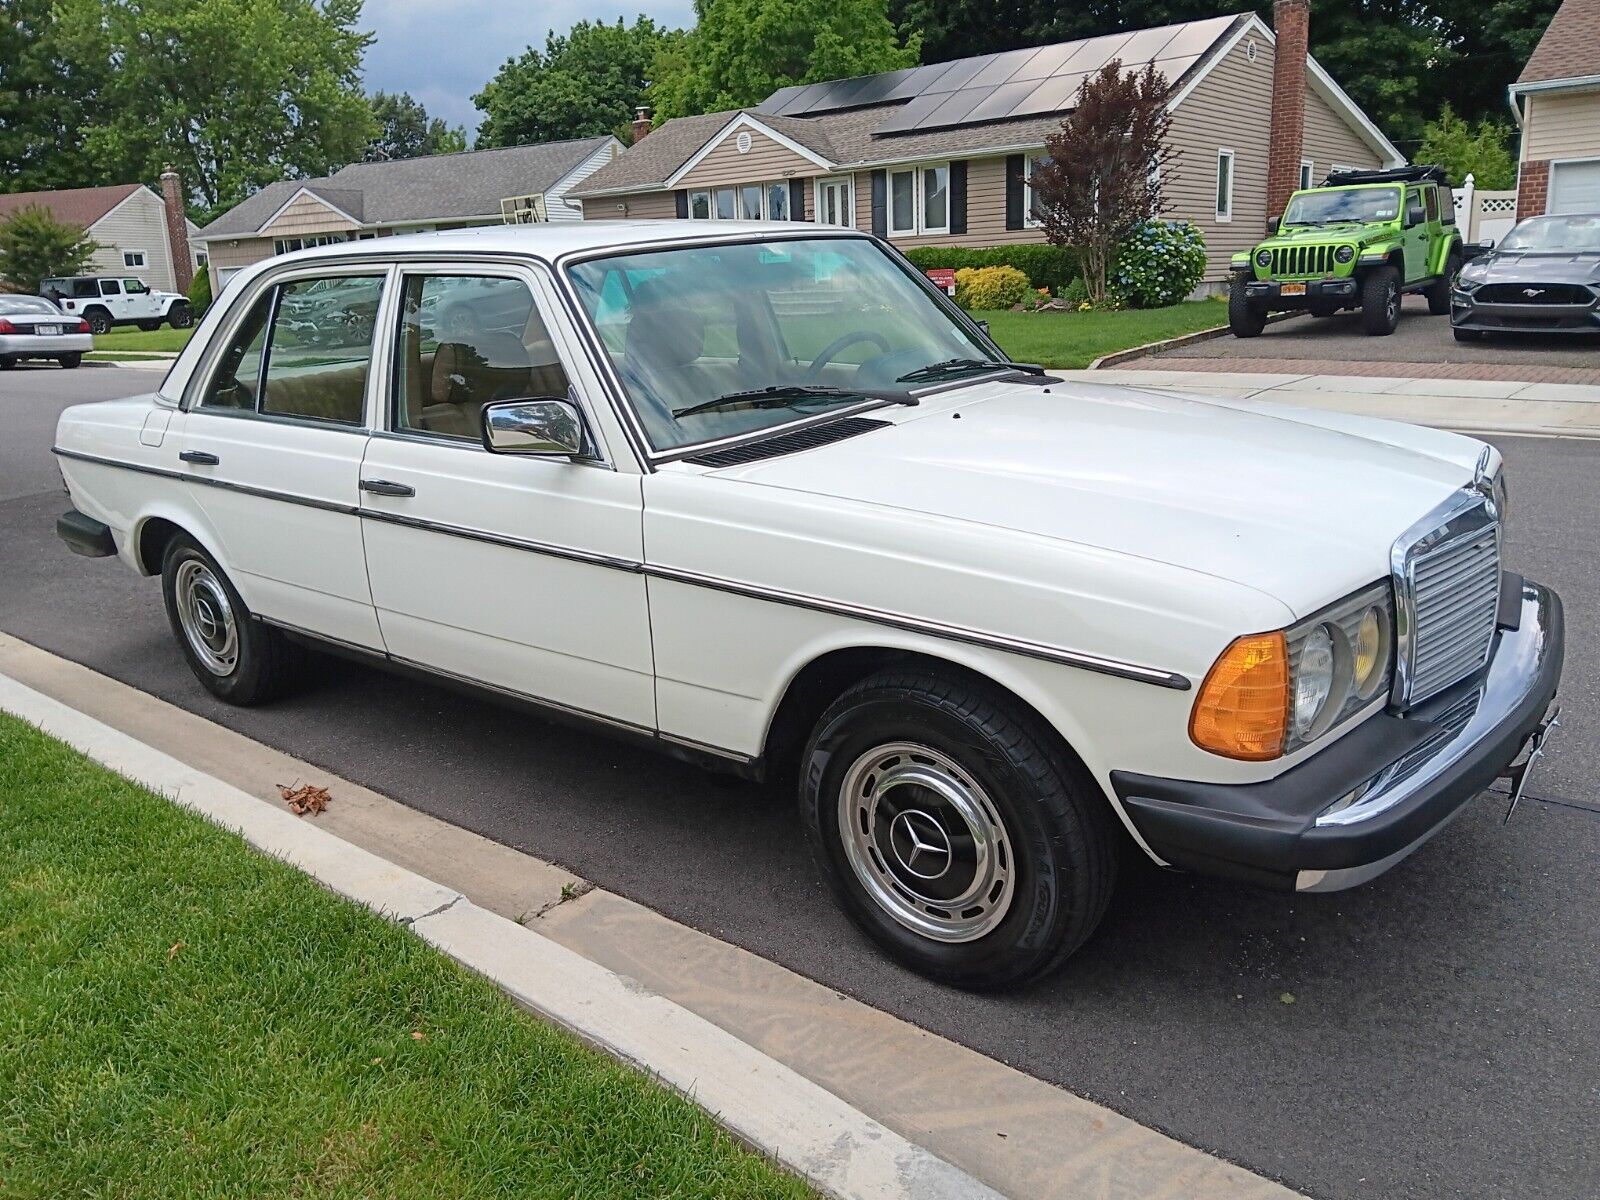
(1575, 187)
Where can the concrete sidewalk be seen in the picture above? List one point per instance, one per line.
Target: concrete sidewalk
(1469, 405)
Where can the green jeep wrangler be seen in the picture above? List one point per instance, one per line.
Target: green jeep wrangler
(1361, 240)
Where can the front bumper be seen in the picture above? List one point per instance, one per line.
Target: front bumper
(1353, 811)
(1270, 291)
(1467, 313)
(37, 345)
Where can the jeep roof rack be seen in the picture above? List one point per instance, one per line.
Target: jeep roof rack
(1431, 174)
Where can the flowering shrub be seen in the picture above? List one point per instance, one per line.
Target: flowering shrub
(990, 287)
(1159, 263)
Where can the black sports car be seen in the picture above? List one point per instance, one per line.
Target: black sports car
(1543, 277)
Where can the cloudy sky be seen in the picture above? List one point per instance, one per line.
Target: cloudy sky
(445, 50)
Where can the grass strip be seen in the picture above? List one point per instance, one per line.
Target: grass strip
(1073, 340)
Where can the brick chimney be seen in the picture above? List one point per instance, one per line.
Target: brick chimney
(177, 230)
(1291, 21)
(644, 118)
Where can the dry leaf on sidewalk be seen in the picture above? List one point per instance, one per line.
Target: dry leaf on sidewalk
(307, 798)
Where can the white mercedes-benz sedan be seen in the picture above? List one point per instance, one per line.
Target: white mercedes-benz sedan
(762, 496)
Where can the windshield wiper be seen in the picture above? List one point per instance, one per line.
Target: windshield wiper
(953, 366)
(780, 395)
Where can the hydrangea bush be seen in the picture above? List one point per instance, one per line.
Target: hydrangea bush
(1159, 263)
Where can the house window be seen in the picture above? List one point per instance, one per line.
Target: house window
(777, 201)
(201, 258)
(919, 200)
(1224, 185)
(836, 202)
(133, 258)
(747, 202)
(1307, 169)
(290, 245)
(750, 202)
(1032, 206)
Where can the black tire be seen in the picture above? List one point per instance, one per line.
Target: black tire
(1380, 301)
(71, 361)
(1466, 335)
(1046, 812)
(264, 663)
(7, 362)
(149, 326)
(1323, 308)
(1439, 291)
(179, 316)
(99, 320)
(1246, 319)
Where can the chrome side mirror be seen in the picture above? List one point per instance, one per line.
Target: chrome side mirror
(542, 428)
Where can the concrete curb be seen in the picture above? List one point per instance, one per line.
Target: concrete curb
(1172, 343)
(838, 1149)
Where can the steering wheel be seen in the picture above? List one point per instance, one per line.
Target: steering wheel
(831, 350)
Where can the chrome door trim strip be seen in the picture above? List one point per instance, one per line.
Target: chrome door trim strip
(1136, 672)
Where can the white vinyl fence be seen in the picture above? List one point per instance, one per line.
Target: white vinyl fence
(1484, 216)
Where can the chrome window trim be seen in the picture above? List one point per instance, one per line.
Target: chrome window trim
(1045, 652)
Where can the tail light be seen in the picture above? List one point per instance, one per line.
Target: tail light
(6, 326)
(83, 327)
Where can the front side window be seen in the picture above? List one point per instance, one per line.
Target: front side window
(701, 334)
(304, 350)
(134, 287)
(1224, 185)
(466, 341)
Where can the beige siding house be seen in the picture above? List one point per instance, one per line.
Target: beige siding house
(129, 221)
(942, 154)
(1557, 101)
(365, 200)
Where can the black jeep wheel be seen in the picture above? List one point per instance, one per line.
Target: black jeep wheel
(181, 316)
(1380, 301)
(1439, 292)
(956, 830)
(1246, 318)
(149, 326)
(99, 320)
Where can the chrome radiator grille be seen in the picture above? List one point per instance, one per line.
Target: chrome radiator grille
(1452, 591)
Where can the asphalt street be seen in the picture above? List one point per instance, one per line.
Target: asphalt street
(1433, 1034)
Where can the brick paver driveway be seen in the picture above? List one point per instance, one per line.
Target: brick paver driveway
(1420, 348)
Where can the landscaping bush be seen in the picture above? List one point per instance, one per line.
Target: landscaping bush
(1159, 263)
(1045, 266)
(1076, 292)
(990, 287)
(200, 292)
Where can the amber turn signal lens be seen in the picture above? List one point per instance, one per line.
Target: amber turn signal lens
(1242, 710)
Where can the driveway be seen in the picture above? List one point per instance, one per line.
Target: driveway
(1429, 1035)
(1421, 347)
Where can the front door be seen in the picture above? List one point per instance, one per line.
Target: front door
(273, 446)
(1416, 240)
(141, 305)
(521, 573)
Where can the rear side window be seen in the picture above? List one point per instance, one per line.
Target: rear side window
(110, 287)
(304, 350)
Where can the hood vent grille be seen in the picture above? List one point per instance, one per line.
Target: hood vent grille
(789, 443)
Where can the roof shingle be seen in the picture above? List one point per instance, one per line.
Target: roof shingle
(1570, 47)
(72, 206)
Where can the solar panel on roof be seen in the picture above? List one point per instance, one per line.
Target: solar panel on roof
(1053, 95)
(960, 73)
(878, 87)
(1195, 39)
(1002, 67)
(1145, 45)
(956, 106)
(1046, 62)
(1001, 102)
(918, 81)
(906, 117)
(1174, 69)
(790, 100)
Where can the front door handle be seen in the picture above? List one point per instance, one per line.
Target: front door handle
(200, 457)
(384, 487)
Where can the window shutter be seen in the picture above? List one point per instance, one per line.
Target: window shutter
(880, 204)
(680, 199)
(797, 199)
(958, 196)
(1015, 169)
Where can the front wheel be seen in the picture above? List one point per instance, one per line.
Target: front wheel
(181, 316)
(1246, 319)
(954, 830)
(235, 656)
(1380, 301)
(1439, 291)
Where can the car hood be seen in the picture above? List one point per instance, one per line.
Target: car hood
(1498, 267)
(1355, 232)
(1301, 505)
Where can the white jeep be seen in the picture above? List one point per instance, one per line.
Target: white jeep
(108, 300)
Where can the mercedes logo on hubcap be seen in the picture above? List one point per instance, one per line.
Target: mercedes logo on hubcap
(205, 618)
(920, 844)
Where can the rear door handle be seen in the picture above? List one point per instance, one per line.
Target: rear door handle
(200, 457)
(384, 487)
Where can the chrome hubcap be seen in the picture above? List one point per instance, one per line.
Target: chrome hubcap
(207, 618)
(926, 842)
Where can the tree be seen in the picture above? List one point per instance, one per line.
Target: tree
(406, 131)
(1103, 174)
(1481, 151)
(741, 51)
(233, 93)
(42, 102)
(584, 83)
(35, 246)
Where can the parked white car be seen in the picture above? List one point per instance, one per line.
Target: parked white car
(763, 497)
(33, 328)
(106, 301)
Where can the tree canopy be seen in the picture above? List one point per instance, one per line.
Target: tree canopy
(406, 131)
(1478, 150)
(34, 246)
(584, 83)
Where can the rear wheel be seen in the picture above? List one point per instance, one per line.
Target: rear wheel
(181, 316)
(7, 362)
(99, 320)
(1380, 301)
(71, 361)
(235, 656)
(1246, 318)
(1439, 293)
(957, 833)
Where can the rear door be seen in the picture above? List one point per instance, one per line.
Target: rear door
(113, 301)
(273, 444)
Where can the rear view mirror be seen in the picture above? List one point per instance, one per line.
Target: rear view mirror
(541, 428)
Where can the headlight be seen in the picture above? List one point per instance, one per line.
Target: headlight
(1263, 258)
(1344, 254)
(1271, 693)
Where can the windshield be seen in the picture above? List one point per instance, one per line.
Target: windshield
(1555, 235)
(777, 330)
(26, 304)
(1332, 205)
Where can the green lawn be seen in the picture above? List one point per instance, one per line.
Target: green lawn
(182, 1017)
(129, 337)
(1072, 340)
